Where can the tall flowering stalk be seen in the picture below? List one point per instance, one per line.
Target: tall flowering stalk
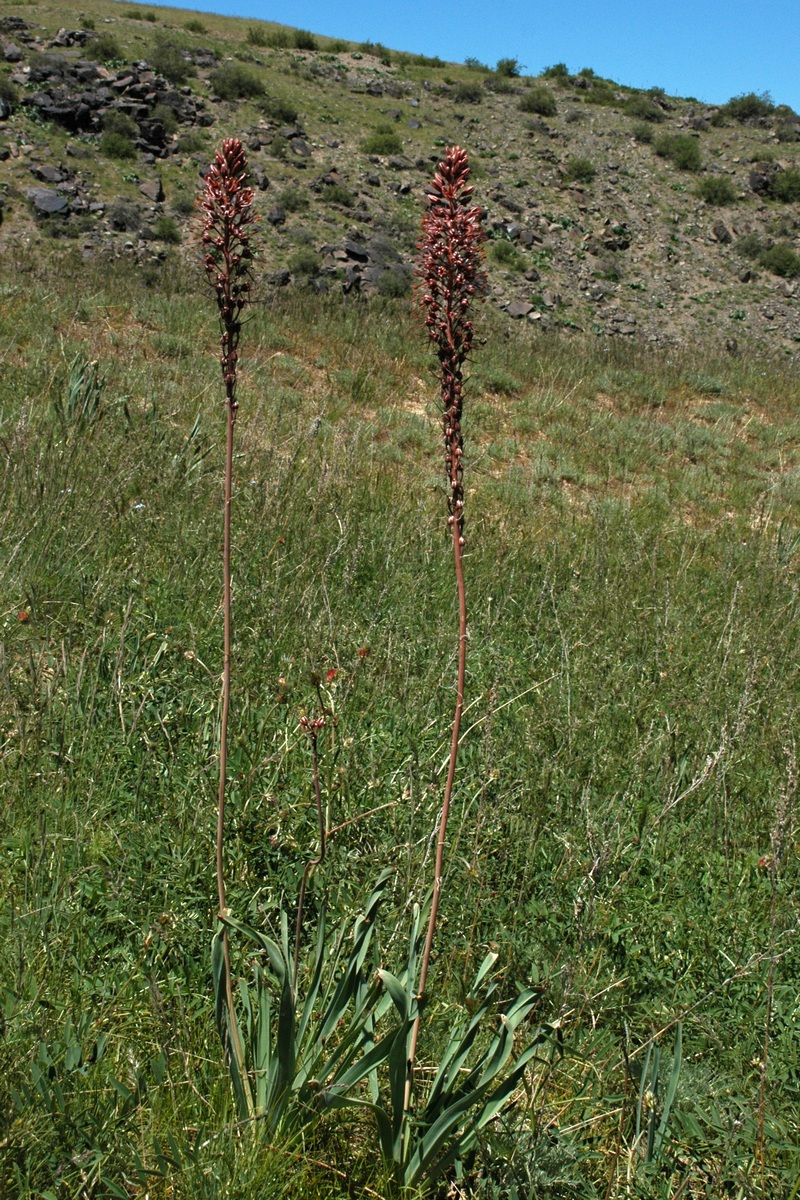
(227, 208)
(450, 273)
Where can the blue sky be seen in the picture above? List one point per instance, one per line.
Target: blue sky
(711, 50)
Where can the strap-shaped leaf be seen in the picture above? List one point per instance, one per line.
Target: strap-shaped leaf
(228, 1029)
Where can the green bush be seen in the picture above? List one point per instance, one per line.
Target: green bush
(557, 71)
(716, 189)
(788, 131)
(117, 145)
(293, 198)
(468, 93)
(475, 64)
(8, 92)
(749, 106)
(106, 48)
(304, 262)
(781, 259)
(785, 185)
(602, 93)
(750, 246)
(643, 134)
(195, 26)
(87, 23)
(582, 170)
(539, 100)
(167, 59)
(192, 141)
(394, 283)
(166, 115)
(506, 255)
(279, 110)
(258, 36)
(115, 121)
(683, 151)
(234, 81)
(383, 140)
(165, 229)
(303, 40)
(509, 68)
(336, 193)
(644, 109)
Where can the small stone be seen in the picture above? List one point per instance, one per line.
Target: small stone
(12, 53)
(519, 308)
(277, 215)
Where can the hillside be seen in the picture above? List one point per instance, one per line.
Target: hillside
(592, 189)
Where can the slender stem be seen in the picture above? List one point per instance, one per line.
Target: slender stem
(312, 862)
(226, 697)
(448, 791)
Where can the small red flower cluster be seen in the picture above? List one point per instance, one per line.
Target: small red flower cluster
(450, 260)
(227, 205)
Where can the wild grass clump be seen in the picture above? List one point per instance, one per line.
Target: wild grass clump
(170, 59)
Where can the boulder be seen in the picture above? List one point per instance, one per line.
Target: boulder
(47, 203)
(519, 308)
(12, 53)
(153, 189)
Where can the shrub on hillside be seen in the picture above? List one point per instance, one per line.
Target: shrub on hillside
(293, 199)
(506, 255)
(468, 93)
(509, 68)
(303, 40)
(168, 60)
(749, 106)
(8, 93)
(165, 229)
(234, 81)
(643, 134)
(165, 113)
(117, 145)
(383, 140)
(785, 185)
(304, 262)
(716, 189)
(279, 109)
(539, 100)
(116, 121)
(581, 170)
(194, 26)
(557, 71)
(337, 193)
(644, 109)
(682, 151)
(781, 259)
(106, 48)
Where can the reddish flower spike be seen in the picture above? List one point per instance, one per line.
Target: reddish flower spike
(227, 207)
(450, 275)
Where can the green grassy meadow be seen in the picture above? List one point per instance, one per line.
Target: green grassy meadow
(625, 830)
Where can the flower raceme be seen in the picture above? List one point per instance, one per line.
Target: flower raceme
(227, 207)
(450, 262)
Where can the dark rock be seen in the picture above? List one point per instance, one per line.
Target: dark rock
(519, 308)
(204, 119)
(372, 179)
(47, 203)
(721, 233)
(5, 110)
(746, 275)
(47, 174)
(13, 25)
(260, 179)
(532, 275)
(412, 124)
(300, 148)
(279, 278)
(397, 163)
(12, 53)
(277, 215)
(356, 250)
(761, 178)
(153, 189)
